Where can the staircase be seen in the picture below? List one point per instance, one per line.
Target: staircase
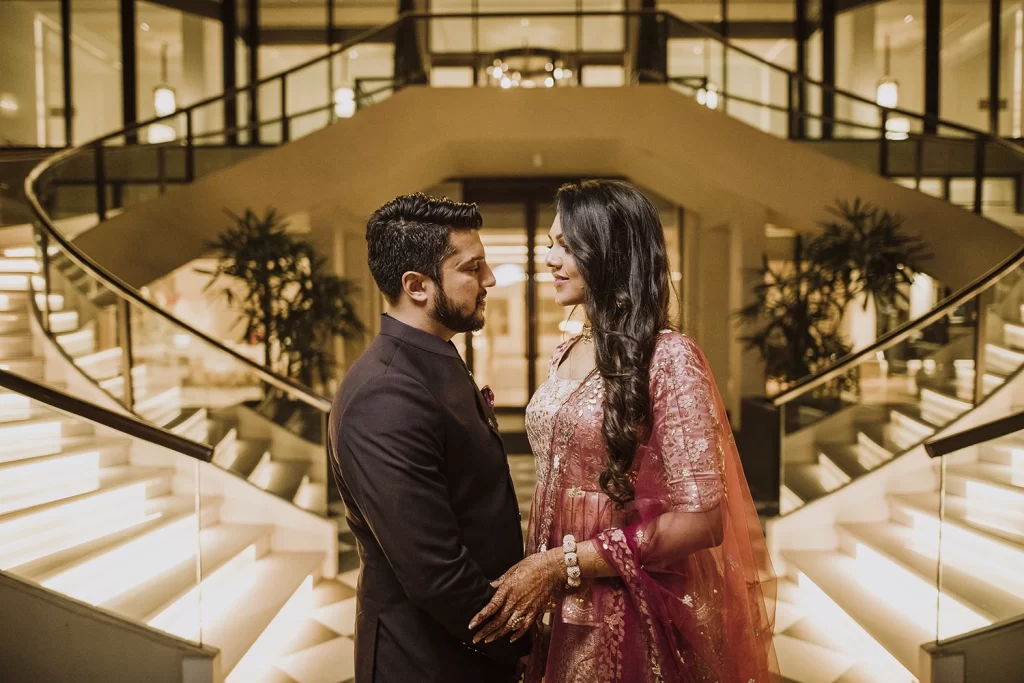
(103, 519)
(859, 608)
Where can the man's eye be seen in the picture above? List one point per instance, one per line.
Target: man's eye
(474, 269)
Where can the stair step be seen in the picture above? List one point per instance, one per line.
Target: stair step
(251, 601)
(13, 323)
(32, 368)
(41, 431)
(939, 409)
(995, 485)
(157, 512)
(971, 526)
(804, 662)
(281, 478)
(908, 426)
(171, 588)
(1003, 360)
(1013, 335)
(19, 265)
(30, 481)
(15, 346)
(63, 321)
(876, 446)
(81, 342)
(918, 553)
(876, 626)
(113, 500)
(1008, 452)
(843, 459)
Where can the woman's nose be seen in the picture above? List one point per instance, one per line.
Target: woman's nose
(550, 261)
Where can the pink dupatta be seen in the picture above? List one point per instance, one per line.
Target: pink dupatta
(694, 599)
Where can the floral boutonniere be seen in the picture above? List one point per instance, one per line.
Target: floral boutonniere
(488, 396)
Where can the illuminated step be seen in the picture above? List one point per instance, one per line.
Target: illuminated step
(939, 409)
(101, 365)
(81, 342)
(253, 601)
(19, 252)
(845, 462)
(13, 323)
(38, 434)
(157, 513)
(14, 406)
(854, 598)
(280, 477)
(970, 587)
(13, 283)
(241, 456)
(312, 496)
(876, 447)
(163, 591)
(970, 528)
(804, 662)
(1000, 486)
(1013, 335)
(1009, 452)
(56, 302)
(32, 368)
(1002, 360)
(965, 380)
(806, 481)
(117, 498)
(19, 265)
(789, 501)
(15, 346)
(907, 426)
(41, 479)
(160, 407)
(63, 321)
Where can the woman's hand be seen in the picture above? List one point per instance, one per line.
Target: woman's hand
(524, 592)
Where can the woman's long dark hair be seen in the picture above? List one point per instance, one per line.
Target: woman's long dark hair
(616, 238)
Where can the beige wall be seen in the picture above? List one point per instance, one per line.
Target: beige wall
(47, 638)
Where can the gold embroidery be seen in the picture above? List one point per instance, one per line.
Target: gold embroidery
(641, 538)
(733, 564)
(576, 492)
(688, 600)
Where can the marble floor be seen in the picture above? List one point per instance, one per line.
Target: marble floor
(322, 649)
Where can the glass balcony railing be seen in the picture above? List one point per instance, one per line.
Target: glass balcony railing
(970, 547)
(109, 510)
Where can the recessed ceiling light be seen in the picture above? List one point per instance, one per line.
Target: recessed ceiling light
(907, 19)
(144, 26)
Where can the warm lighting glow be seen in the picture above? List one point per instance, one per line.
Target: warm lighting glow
(344, 103)
(897, 128)
(279, 633)
(509, 274)
(164, 100)
(506, 82)
(571, 326)
(907, 19)
(549, 82)
(888, 93)
(708, 96)
(20, 252)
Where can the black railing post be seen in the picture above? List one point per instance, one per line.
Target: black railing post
(101, 183)
(124, 334)
(883, 146)
(190, 148)
(285, 123)
(44, 246)
(918, 161)
(979, 171)
(161, 169)
(791, 117)
(981, 303)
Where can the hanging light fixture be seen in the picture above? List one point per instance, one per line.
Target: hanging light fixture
(887, 95)
(707, 95)
(344, 103)
(164, 104)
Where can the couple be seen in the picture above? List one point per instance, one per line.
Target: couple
(645, 561)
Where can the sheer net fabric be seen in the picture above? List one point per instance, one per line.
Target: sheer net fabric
(694, 599)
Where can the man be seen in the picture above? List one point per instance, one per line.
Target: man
(416, 453)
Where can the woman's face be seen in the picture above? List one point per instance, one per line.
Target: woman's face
(569, 287)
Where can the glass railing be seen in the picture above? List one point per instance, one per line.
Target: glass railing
(833, 427)
(107, 509)
(176, 377)
(972, 529)
(875, 405)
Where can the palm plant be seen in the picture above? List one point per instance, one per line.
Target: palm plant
(290, 302)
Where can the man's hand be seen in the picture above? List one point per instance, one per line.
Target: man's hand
(524, 593)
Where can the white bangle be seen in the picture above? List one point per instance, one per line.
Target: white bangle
(573, 577)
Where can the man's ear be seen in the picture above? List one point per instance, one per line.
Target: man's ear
(417, 286)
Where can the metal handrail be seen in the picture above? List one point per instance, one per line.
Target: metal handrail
(996, 429)
(897, 335)
(305, 394)
(92, 412)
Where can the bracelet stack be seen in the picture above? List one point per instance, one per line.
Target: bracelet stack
(571, 561)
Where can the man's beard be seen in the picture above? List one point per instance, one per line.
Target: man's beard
(445, 312)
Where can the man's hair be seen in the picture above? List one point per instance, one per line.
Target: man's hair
(411, 233)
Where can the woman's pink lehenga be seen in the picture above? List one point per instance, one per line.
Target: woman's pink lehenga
(684, 607)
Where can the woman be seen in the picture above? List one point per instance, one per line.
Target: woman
(646, 561)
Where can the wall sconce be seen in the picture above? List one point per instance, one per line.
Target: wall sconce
(344, 103)
(164, 104)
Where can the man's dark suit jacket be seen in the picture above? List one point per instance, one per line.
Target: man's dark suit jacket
(416, 453)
